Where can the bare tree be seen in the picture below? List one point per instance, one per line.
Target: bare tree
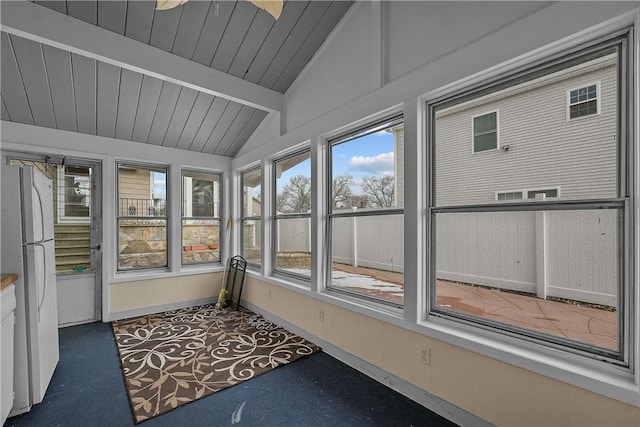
(378, 191)
(295, 196)
(342, 191)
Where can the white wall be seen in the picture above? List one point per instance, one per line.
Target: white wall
(27, 138)
(428, 53)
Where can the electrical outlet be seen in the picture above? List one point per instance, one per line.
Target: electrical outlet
(269, 294)
(321, 314)
(425, 356)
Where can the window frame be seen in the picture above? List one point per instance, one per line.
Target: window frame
(623, 356)
(285, 216)
(386, 122)
(166, 218)
(597, 84)
(207, 218)
(473, 131)
(242, 217)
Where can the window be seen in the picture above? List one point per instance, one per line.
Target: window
(251, 217)
(509, 195)
(366, 216)
(485, 132)
(548, 270)
(141, 217)
(583, 101)
(74, 194)
(200, 218)
(292, 215)
(526, 194)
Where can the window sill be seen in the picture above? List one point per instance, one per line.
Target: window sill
(599, 377)
(135, 276)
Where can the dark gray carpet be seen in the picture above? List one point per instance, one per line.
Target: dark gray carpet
(88, 390)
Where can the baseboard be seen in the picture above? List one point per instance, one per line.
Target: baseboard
(159, 308)
(441, 407)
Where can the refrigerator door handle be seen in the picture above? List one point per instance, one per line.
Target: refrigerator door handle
(44, 284)
(44, 252)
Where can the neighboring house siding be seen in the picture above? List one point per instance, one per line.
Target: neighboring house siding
(399, 165)
(134, 187)
(546, 150)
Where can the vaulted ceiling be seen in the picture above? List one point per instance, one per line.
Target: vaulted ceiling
(200, 77)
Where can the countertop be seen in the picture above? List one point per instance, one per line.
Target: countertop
(7, 280)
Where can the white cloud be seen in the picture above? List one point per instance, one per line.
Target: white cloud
(379, 164)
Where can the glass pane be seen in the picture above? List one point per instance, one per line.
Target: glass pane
(540, 148)
(368, 171)
(200, 195)
(143, 243)
(251, 193)
(484, 124)
(200, 241)
(293, 245)
(487, 141)
(368, 256)
(142, 192)
(252, 241)
(553, 272)
(75, 191)
(293, 184)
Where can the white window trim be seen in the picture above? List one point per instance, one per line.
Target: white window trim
(62, 218)
(146, 271)
(191, 174)
(473, 131)
(397, 119)
(580, 370)
(569, 104)
(241, 214)
(274, 244)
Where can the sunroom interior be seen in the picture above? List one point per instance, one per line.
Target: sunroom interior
(444, 195)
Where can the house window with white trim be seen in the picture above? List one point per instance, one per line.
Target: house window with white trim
(142, 217)
(200, 218)
(292, 215)
(485, 132)
(251, 216)
(584, 101)
(513, 267)
(366, 212)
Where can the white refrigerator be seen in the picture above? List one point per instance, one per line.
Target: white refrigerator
(28, 251)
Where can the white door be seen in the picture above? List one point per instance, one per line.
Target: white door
(77, 236)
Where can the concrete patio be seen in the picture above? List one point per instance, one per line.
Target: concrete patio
(572, 320)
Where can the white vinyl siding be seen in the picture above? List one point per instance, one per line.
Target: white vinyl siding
(545, 150)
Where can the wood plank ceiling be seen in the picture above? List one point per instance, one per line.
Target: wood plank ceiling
(46, 86)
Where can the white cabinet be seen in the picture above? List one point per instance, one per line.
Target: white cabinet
(7, 317)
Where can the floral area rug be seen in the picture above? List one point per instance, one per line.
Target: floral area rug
(173, 358)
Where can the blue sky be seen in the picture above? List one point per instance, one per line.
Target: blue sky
(369, 155)
(159, 185)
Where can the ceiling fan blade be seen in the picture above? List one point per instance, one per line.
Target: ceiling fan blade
(273, 7)
(168, 4)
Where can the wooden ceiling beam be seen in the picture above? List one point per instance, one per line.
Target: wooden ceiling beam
(43, 25)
